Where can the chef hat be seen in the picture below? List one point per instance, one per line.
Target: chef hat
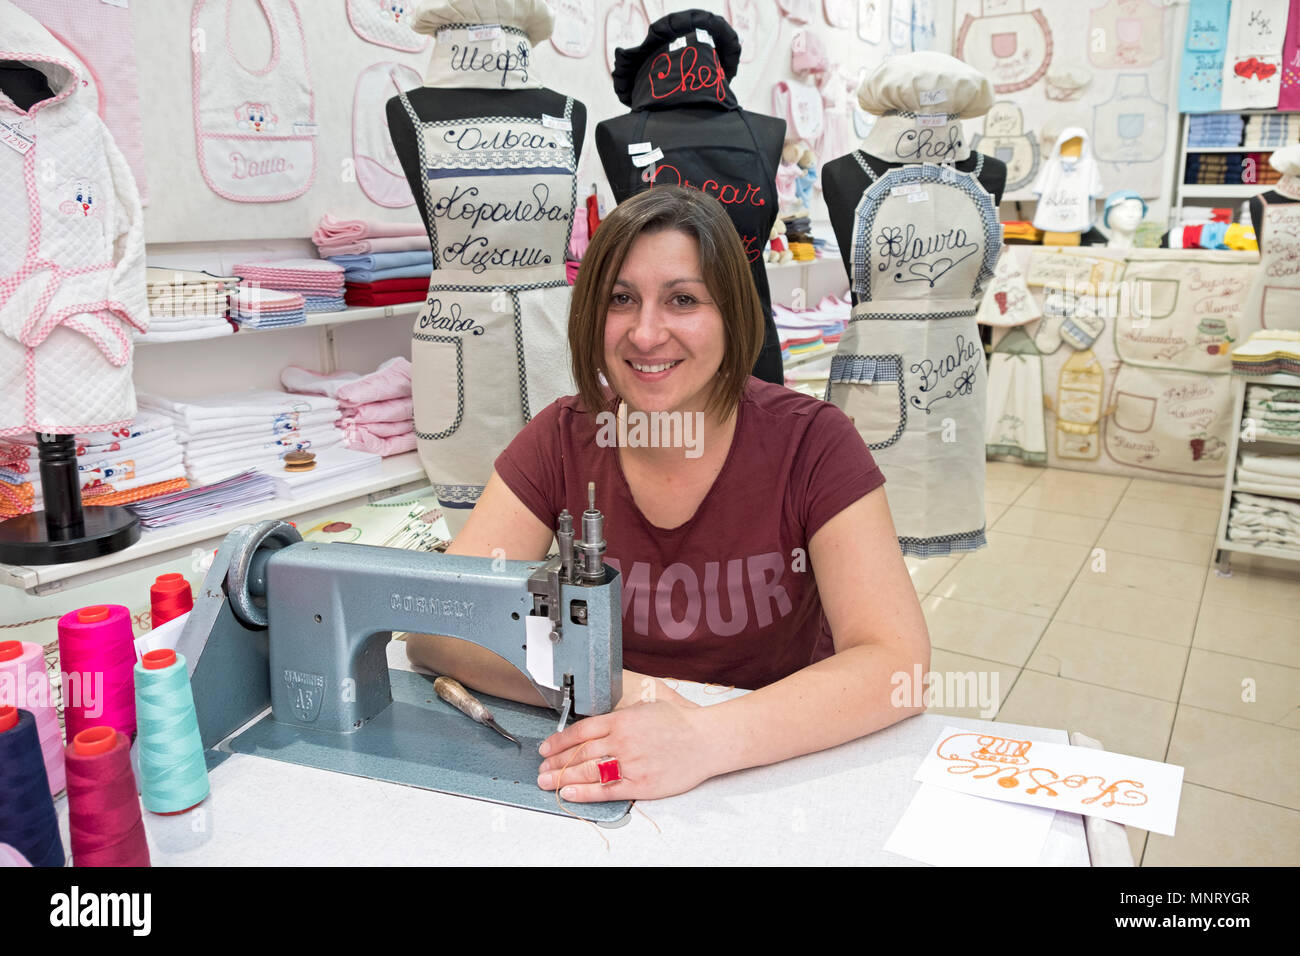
(1286, 160)
(926, 82)
(532, 16)
(629, 60)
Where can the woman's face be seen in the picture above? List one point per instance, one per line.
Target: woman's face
(664, 337)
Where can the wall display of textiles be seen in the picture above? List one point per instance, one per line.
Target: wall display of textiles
(263, 114)
(1136, 363)
(1112, 79)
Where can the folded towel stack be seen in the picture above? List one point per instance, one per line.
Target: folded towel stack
(1277, 129)
(352, 237)
(320, 283)
(387, 291)
(184, 305)
(1268, 352)
(133, 463)
(1215, 129)
(377, 413)
(258, 308)
(226, 434)
(1262, 520)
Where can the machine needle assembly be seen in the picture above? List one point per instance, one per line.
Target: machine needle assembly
(453, 693)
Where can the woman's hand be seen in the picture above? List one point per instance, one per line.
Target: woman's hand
(662, 748)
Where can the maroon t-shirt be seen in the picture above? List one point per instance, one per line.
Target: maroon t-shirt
(729, 596)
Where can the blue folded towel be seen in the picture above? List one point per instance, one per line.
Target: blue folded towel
(385, 260)
(401, 272)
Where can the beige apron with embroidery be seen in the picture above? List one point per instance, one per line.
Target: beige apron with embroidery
(909, 370)
(1009, 45)
(489, 348)
(1274, 298)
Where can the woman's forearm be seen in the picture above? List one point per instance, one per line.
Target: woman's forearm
(476, 667)
(838, 699)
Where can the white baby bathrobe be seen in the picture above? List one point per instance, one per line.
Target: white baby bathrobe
(72, 273)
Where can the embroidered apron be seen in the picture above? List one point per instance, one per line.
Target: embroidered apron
(1015, 400)
(1006, 138)
(1079, 389)
(1009, 45)
(379, 172)
(871, 20)
(909, 370)
(387, 23)
(1126, 33)
(1183, 313)
(255, 129)
(1252, 66)
(489, 348)
(625, 26)
(1274, 299)
(1129, 127)
(1170, 421)
(1200, 84)
(575, 27)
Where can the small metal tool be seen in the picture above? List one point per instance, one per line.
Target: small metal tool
(453, 693)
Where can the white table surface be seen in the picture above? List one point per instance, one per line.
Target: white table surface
(834, 807)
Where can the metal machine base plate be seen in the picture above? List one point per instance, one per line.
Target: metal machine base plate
(421, 741)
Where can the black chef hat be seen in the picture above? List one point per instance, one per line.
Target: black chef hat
(629, 61)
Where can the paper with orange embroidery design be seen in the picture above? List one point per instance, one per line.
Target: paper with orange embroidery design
(1129, 790)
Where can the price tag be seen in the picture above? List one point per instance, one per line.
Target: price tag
(485, 31)
(15, 140)
(919, 197)
(704, 36)
(556, 122)
(645, 159)
(947, 174)
(677, 44)
(634, 148)
(931, 119)
(930, 97)
(305, 129)
(116, 3)
(907, 190)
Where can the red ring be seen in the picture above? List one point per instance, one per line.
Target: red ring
(609, 770)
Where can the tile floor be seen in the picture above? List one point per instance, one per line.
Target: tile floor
(1096, 605)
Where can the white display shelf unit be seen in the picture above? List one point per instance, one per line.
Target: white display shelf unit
(1225, 191)
(328, 319)
(1223, 545)
(399, 474)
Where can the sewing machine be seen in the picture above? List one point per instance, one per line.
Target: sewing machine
(302, 627)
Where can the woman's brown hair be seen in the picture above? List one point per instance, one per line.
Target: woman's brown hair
(725, 272)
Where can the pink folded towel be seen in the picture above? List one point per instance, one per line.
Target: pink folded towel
(380, 429)
(390, 380)
(377, 445)
(330, 229)
(365, 247)
(392, 410)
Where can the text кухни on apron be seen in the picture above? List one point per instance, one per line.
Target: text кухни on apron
(909, 370)
(490, 348)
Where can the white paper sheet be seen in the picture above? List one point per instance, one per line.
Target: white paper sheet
(945, 828)
(539, 653)
(1128, 790)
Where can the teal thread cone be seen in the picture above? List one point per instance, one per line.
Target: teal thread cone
(173, 774)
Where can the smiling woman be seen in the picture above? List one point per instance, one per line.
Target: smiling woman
(757, 551)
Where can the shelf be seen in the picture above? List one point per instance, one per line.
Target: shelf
(1231, 149)
(803, 359)
(1277, 378)
(1268, 551)
(1256, 490)
(1273, 439)
(1229, 191)
(398, 473)
(319, 319)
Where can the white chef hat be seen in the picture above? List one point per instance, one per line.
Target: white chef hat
(926, 82)
(1286, 160)
(534, 17)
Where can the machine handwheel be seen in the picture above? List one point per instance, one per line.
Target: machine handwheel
(265, 535)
